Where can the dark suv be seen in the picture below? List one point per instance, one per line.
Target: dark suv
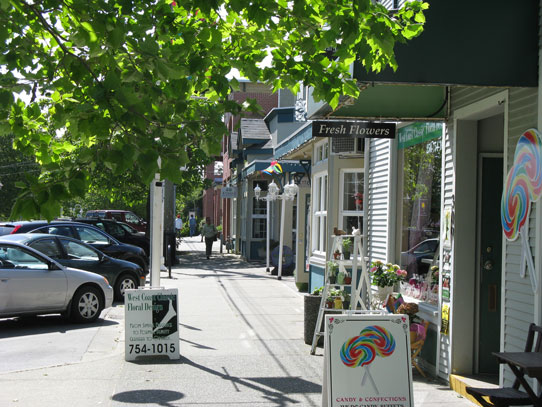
(86, 233)
(121, 231)
(122, 216)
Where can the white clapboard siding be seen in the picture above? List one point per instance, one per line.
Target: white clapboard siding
(518, 297)
(518, 301)
(378, 202)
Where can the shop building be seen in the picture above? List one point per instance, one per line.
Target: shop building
(464, 93)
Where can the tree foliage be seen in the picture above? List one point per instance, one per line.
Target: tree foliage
(121, 83)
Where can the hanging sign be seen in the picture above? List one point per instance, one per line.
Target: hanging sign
(353, 129)
(151, 323)
(523, 186)
(367, 360)
(417, 133)
(228, 192)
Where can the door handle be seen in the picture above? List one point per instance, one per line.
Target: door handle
(4, 280)
(488, 265)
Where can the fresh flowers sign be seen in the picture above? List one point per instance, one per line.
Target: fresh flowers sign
(386, 275)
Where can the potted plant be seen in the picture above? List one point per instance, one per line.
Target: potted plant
(311, 304)
(345, 295)
(347, 278)
(385, 276)
(332, 270)
(347, 247)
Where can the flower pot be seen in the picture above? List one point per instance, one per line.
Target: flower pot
(332, 279)
(348, 280)
(346, 255)
(383, 292)
(346, 304)
(329, 304)
(338, 303)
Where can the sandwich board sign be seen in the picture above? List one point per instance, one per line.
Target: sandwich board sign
(367, 361)
(152, 326)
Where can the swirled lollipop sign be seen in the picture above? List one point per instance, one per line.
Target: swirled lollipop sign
(361, 350)
(523, 186)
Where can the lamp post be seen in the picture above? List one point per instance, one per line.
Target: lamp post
(290, 191)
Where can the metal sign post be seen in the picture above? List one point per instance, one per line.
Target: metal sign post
(157, 229)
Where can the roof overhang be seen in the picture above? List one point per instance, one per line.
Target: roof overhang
(464, 43)
(298, 145)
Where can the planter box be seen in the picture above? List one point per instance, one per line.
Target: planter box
(311, 307)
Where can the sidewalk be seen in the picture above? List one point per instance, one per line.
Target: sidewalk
(242, 344)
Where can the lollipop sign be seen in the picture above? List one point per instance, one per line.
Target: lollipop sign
(523, 186)
(361, 350)
(367, 360)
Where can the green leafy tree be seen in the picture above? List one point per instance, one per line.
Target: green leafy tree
(121, 83)
(14, 166)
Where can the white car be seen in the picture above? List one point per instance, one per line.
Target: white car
(33, 284)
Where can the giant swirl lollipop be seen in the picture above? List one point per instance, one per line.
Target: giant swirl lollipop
(361, 350)
(523, 186)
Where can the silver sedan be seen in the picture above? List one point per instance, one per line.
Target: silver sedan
(33, 284)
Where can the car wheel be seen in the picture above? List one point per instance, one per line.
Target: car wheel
(125, 282)
(87, 304)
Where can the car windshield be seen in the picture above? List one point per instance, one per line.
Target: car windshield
(6, 229)
(89, 235)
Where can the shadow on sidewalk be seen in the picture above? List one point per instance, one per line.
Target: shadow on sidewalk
(273, 389)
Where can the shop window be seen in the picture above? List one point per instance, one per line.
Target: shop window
(420, 228)
(322, 151)
(319, 237)
(351, 205)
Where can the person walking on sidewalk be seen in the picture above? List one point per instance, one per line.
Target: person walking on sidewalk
(209, 232)
(178, 226)
(192, 224)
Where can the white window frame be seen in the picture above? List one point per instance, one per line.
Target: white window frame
(319, 235)
(321, 151)
(342, 211)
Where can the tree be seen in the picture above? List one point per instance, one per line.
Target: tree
(121, 83)
(14, 165)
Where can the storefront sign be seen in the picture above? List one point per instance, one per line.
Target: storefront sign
(367, 359)
(152, 327)
(353, 129)
(417, 133)
(228, 192)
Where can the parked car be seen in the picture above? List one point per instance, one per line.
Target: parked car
(69, 252)
(122, 216)
(417, 260)
(92, 235)
(34, 284)
(121, 231)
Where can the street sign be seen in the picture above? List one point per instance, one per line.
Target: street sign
(228, 192)
(151, 319)
(367, 361)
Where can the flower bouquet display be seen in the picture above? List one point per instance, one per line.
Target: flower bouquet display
(385, 277)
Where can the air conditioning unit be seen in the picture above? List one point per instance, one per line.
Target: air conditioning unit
(348, 146)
